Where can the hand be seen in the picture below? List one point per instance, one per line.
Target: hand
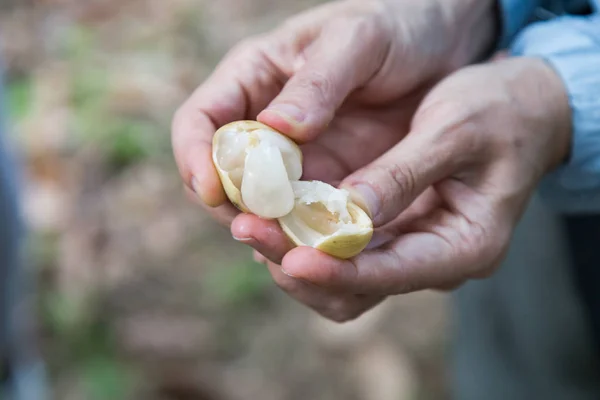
(322, 68)
(335, 78)
(448, 196)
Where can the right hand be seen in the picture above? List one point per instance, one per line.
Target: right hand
(344, 79)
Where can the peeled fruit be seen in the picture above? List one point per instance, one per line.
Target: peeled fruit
(260, 170)
(256, 164)
(324, 218)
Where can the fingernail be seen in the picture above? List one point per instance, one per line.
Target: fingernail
(287, 273)
(300, 279)
(366, 198)
(243, 239)
(195, 185)
(196, 188)
(288, 111)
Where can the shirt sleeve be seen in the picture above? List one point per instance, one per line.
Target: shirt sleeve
(571, 45)
(516, 14)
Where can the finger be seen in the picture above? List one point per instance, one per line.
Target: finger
(265, 236)
(424, 205)
(383, 271)
(445, 249)
(320, 164)
(259, 258)
(344, 57)
(406, 221)
(193, 155)
(450, 287)
(390, 184)
(380, 238)
(241, 85)
(339, 307)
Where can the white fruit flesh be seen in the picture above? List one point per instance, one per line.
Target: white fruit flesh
(261, 165)
(231, 155)
(291, 159)
(321, 212)
(266, 189)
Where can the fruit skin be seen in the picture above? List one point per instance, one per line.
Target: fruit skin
(243, 127)
(342, 246)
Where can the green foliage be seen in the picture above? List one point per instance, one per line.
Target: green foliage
(241, 283)
(131, 141)
(19, 98)
(86, 341)
(124, 139)
(106, 379)
(42, 249)
(89, 89)
(79, 44)
(64, 317)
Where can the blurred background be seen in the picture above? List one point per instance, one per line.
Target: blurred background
(138, 294)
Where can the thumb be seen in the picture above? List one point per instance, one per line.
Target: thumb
(342, 59)
(389, 185)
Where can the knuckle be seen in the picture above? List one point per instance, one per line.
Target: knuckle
(370, 29)
(489, 249)
(246, 48)
(402, 177)
(319, 85)
(475, 243)
(456, 121)
(398, 184)
(369, 25)
(443, 109)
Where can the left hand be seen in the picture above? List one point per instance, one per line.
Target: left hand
(446, 198)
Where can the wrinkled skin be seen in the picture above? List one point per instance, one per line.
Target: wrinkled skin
(445, 174)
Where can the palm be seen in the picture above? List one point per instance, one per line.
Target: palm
(357, 136)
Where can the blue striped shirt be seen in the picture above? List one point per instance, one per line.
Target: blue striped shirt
(571, 45)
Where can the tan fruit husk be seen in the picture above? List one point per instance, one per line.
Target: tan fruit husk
(342, 246)
(233, 193)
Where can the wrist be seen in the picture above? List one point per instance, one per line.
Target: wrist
(451, 33)
(475, 27)
(560, 115)
(541, 93)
